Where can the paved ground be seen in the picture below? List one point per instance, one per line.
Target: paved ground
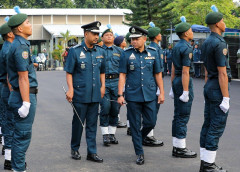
(50, 147)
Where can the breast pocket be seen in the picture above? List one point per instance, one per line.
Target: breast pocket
(83, 64)
(132, 65)
(115, 61)
(149, 65)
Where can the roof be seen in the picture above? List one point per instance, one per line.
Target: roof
(76, 30)
(66, 11)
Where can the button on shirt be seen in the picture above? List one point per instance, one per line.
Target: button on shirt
(19, 60)
(160, 53)
(112, 59)
(215, 54)
(86, 65)
(182, 56)
(3, 60)
(140, 68)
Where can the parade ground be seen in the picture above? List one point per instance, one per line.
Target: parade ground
(49, 150)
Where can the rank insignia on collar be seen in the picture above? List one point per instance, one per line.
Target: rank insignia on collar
(225, 51)
(132, 56)
(190, 55)
(82, 55)
(25, 54)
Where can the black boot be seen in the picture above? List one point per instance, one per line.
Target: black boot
(106, 140)
(7, 165)
(140, 160)
(75, 155)
(129, 131)
(183, 153)
(3, 150)
(152, 142)
(212, 167)
(121, 124)
(113, 139)
(94, 158)
(201, 166)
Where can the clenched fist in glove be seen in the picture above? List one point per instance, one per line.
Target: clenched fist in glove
(185, 96)
(224, 106)
(24, 109)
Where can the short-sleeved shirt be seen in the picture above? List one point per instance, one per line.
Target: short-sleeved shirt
(182, 56)
(3, 60)
(160, 53)
(112, 59)
(196, 55)
(140, 68)
(19, 60)
(86, 65)
(169, 54)
(215, 54)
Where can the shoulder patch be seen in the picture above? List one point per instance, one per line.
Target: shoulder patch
(25, 54)
(225, 51)
(152, 48)
(190, 55)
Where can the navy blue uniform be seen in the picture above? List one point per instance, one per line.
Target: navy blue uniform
(85, 65)
(140, 91)
(197, 58)
(110, 109)
(182, 56)
(214, 54)
(7, 128)
(169, 55)
(19, 60)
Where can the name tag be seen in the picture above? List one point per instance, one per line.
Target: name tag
(99, 57)
(149, 58)
(116, 54)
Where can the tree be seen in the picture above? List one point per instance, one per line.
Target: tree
(196, 11)
(102, 3)
(157, 11)
(65, 38)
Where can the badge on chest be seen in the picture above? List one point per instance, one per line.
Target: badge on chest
(83, 65)
(131, 66)
(82, 55)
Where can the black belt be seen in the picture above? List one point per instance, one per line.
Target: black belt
(111, 76)
(5, 84)
(32, 90)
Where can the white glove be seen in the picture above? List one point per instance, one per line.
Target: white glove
(158, 91)
(185, 96)
(224, 106)
(24, 109)
(171, 95)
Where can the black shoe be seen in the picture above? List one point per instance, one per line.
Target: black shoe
(121, 124)
(212, 167)
(7, 165)
(140, 160)
(94, 158)
(129, 131)
(183, 153)
(201, 166)
(0, 138)
(152, 142)
(106, 140)
(3, 150)
(75, 155)
(113, 139)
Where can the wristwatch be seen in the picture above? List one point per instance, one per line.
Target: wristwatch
(119, 95)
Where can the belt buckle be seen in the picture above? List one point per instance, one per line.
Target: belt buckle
(110, 76)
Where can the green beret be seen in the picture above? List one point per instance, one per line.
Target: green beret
(213, 18)
(153, 31)
(16, 20)
(182, 27)
(106, 31)
(127, 37)
(4, 29)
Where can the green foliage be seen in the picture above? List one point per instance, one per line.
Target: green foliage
(103, 3)
(65, 38)
(57, 53)
(196, 11)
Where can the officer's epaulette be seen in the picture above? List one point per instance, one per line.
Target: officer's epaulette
(98, 46)
(78, 45)
(129, 48)
(152, 48)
